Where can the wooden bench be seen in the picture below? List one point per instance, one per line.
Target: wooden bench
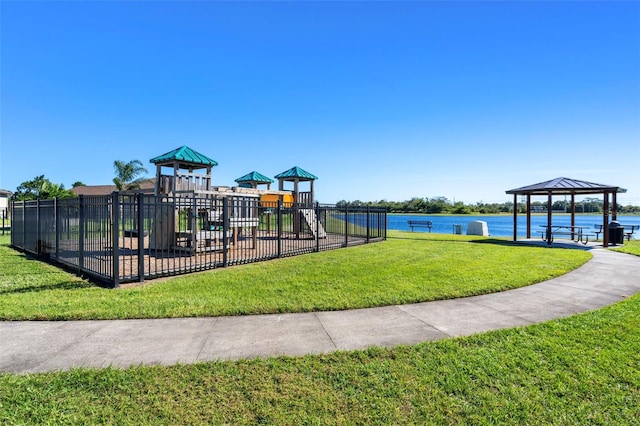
(420, 224)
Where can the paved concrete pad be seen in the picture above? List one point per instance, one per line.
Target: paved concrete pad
(33, 346)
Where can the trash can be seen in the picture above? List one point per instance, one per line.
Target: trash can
(616, 233)
(457, 228)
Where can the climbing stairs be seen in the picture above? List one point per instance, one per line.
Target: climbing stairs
(309, 216)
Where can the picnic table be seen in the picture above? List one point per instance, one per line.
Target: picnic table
(575, 233)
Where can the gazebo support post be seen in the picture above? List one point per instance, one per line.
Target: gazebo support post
(528, 216)
(549, 210)
(605, 220)
(573, 215)
(614, 208)
(515, 217)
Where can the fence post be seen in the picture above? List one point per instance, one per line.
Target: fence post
(38, 242)
(56, 216)
(317, 226)
(346, 224)
(115, 235)
(386, 210)
(279, 226)
(24, 225)
(81, 233)
(225, 230)
(140, 237)
(368, 222)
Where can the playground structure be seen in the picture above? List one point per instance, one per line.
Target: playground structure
(197, 220)
(188, 225)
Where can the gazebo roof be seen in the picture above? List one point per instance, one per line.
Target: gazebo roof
(296, 173)
(185, 156)
(254, 177)
(565, 186)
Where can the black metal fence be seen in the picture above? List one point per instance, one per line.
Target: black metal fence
(126, 238)
(4, 220)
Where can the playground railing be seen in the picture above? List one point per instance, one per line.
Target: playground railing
(132, 237)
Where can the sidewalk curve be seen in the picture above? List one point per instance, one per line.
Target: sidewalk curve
(34, 346)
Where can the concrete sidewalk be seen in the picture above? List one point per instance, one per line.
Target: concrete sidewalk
(32, 346)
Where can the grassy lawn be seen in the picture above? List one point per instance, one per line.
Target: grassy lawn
(582, 370)
(410, 267)
(631, 247)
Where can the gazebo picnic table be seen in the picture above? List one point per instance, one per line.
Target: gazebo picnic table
(576, 233)
(572, 187)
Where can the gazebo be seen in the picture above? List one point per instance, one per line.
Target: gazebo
(565, 186)
(297, 175)
(253, 179)
(183, 161)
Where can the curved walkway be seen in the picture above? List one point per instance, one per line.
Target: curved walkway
(32, 346)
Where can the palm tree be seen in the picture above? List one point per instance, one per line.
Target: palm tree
(128, 174)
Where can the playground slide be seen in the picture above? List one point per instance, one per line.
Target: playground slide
(271, 200)
(309, 216)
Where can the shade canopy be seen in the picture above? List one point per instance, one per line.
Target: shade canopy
(565, 186)
(184, 161)
(185, 157)
(254, 177)
(296, 173)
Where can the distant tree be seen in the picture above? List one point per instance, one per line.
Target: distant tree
(128, 175)
(77, 184)
(40, 188)
(416, 205)
(460, 208)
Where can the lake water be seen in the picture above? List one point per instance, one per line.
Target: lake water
(502, 225)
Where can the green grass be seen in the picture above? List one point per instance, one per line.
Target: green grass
(631, 247)
(582, 370)
(416, 267)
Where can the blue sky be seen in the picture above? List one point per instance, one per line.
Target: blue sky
(380, 100)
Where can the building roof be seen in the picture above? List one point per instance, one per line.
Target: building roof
(145, 186)
(184, 155)
(565, 186)
(296, 173)
(5, 193)
(254, 177)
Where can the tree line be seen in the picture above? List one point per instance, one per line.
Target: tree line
(128, 176)
(441, 205)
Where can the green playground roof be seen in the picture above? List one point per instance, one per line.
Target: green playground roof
(254, 177)
(296, 172)
(184, 155)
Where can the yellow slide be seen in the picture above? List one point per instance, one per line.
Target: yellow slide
(271, 200)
